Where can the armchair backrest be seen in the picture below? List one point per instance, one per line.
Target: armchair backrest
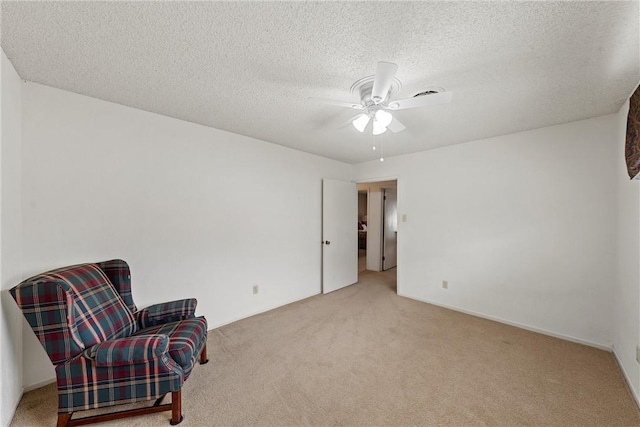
(73, 308)
(119, 274)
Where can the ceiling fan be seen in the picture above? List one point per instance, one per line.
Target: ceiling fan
(376, 93)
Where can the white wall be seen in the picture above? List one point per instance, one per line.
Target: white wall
(10, 238)
(196, 212)
(522, 226)
(626, 315)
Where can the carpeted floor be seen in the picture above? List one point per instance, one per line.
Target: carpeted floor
(365, 356)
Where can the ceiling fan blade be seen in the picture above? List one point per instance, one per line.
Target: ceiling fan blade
(396, 126)
(385, 73)
(421, 101)
(353, 105)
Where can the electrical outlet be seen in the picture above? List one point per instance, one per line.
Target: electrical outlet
(445, 284)
(638, 353)
(255, 289)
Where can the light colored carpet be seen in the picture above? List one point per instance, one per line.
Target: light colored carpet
(365, 356)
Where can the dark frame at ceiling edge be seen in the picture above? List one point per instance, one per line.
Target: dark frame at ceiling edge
(632, 139)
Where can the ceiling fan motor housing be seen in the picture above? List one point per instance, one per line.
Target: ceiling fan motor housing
(362, 90)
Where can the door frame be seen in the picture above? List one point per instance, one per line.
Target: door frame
(385, 239)
(400, 255)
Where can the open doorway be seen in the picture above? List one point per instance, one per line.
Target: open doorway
(377, 227)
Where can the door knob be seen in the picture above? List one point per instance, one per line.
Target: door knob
(326, 242)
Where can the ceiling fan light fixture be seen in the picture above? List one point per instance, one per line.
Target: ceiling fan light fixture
(383, 118)
(378, 129)
(377, 100)
(360, 122)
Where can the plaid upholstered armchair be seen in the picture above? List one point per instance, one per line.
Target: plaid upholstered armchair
(105, 351)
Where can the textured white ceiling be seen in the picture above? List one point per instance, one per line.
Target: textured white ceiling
(251, 67)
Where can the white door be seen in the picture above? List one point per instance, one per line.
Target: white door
(339, 234)
(390, 229)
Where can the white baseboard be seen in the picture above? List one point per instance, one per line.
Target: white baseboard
(8, 416)
(634, 393)
(255, 313)
(38, 384)
(600, 346)
(447, 306)
(26, 389)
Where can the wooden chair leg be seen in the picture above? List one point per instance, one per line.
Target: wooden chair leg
(176, 408)
(63, 419)
(203, 355)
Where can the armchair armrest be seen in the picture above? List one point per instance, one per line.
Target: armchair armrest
(128, 351)
(159, 314)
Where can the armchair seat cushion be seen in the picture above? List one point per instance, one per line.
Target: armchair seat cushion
(186, 340)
